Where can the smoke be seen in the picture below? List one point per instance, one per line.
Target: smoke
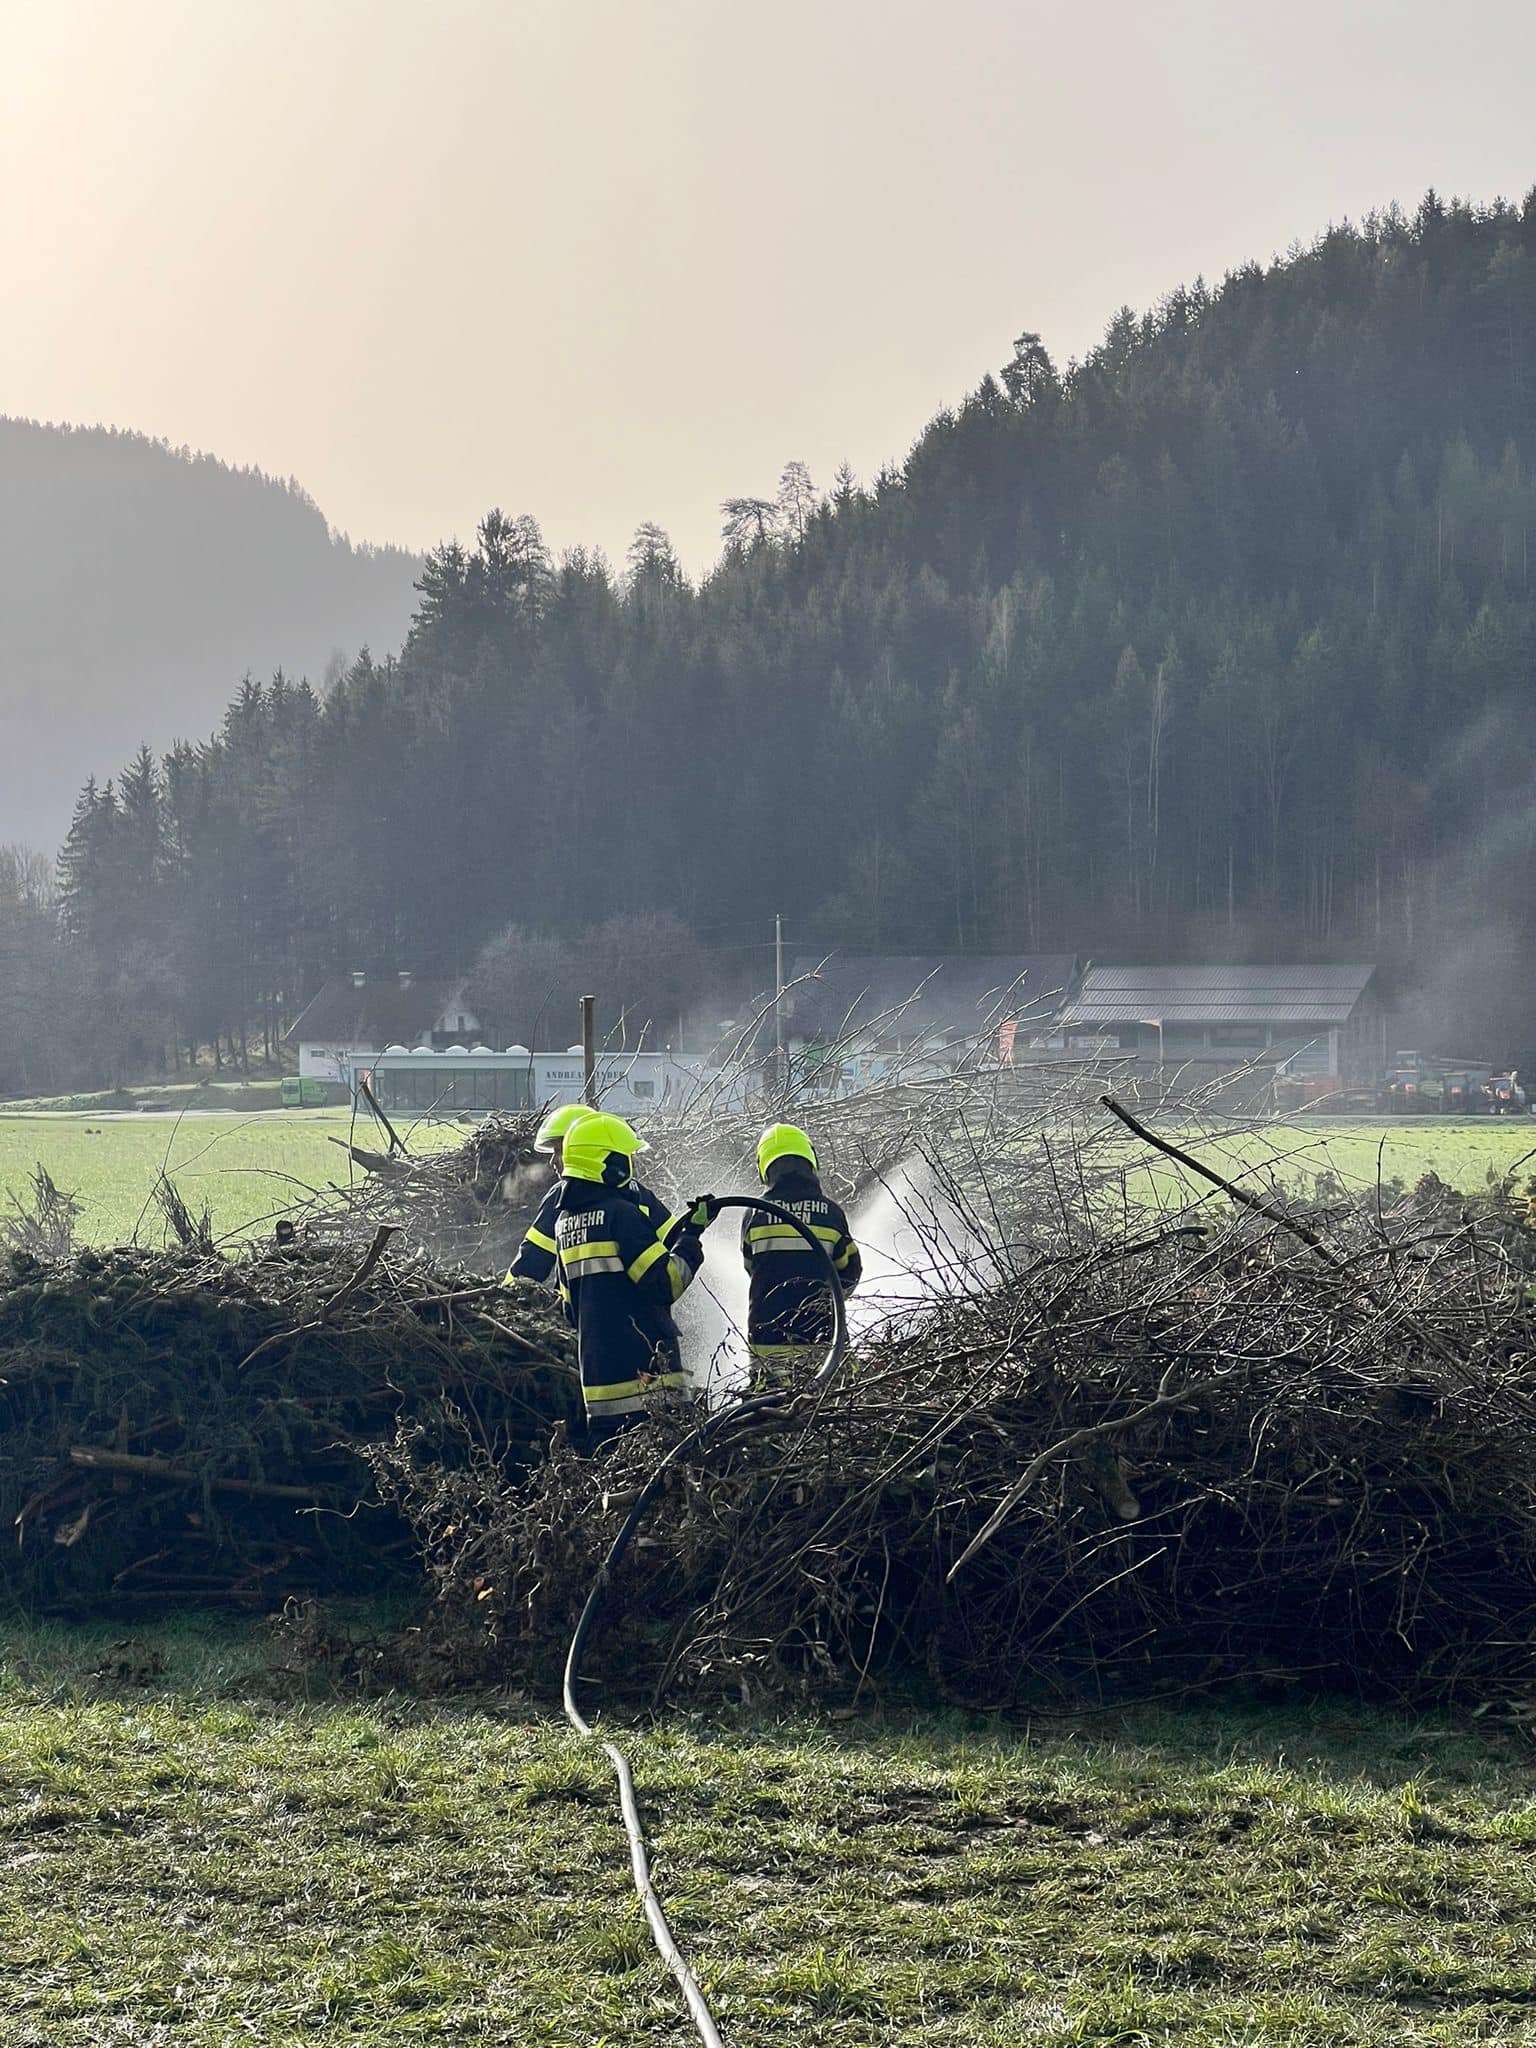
(1467, 930)
(712, 1315)
(918, 1250)
(525, 1185)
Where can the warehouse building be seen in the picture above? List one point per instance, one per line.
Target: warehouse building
(1319, 1028)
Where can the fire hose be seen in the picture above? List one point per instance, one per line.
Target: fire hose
(745, 1414)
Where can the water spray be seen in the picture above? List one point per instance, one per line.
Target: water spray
(919, 1248)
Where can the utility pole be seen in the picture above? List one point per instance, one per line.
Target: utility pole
(780, 1074)
(589, 1051)
(1157, 1025)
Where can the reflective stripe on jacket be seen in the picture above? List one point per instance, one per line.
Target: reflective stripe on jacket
(535, 1256)
(619, 1276)
(789, 1300)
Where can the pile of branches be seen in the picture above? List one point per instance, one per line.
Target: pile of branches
(468, 1204)
(472, 1202)
(1235, 1443)
(183, 1425)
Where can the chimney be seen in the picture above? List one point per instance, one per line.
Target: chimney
(359, 978)
(406, 977)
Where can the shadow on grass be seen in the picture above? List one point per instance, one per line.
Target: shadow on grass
(198, 1658)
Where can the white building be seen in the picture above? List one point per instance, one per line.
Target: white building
(357, 1015)
(418, 1082)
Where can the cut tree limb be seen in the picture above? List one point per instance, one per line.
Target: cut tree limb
(370, 1162)
(1060, 1449)
(141, 1466)
(366, 1091)
(371, 1258)
(328, 1307)
(1268, 1210)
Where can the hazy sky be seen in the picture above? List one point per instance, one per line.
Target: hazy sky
(609, 260)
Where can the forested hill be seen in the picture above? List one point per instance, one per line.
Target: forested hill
(138, 584)
(1219, 643)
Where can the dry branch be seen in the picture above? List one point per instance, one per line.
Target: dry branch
(195, 1409)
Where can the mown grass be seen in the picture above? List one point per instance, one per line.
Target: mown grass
(247, 1169)
(189, 1863)
(204, 1093)
(1462, 1152)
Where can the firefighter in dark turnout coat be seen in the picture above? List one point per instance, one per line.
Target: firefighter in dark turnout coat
(789, 1310)
(619, 1276)
(535, 1256)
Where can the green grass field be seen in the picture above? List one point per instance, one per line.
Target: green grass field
(233, 1096)
(190, 1855)
(189, 1862)
(1461, 1152)
(248, 1169)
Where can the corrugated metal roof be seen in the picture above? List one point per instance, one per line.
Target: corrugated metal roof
(1290, 995)
(1245, 978)
(1320, 1012)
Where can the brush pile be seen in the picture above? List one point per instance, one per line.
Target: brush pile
(469, 1204)
(186, 1426)
(1233, 1445)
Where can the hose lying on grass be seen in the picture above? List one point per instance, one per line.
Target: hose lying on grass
(752, 1413)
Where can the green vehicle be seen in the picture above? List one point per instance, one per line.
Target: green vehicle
(304, 1092)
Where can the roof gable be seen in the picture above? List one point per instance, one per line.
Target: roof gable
(382, 1012)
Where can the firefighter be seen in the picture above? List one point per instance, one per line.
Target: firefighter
(535, 1257)
(789, 1310)
(620, 1273)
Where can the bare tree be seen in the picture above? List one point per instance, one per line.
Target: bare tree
(749, 522)
(647, 968)
(797, 500)
(524, 987)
